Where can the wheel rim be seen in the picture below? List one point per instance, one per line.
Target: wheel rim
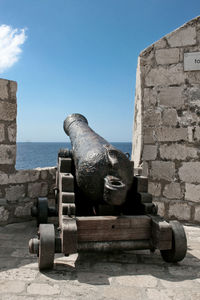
(42, 211)
(46, 246)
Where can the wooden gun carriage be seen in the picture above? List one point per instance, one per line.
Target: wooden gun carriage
(100, 204)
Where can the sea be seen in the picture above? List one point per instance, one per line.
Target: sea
(32, 155)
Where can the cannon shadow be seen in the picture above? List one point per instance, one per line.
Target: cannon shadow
(95, 268)
(103, 268)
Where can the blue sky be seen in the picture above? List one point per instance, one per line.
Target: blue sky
(81, 56)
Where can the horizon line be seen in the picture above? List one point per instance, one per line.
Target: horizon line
(63, 142)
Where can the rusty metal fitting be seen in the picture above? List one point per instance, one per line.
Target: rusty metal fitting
(34, 246)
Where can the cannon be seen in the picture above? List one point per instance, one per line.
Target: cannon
(103, 173)
(100, 204)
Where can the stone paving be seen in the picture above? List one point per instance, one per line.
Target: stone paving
(128, 275)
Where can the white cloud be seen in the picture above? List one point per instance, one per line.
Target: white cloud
(10, 43)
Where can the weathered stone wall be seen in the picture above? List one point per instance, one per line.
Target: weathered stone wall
(18, 189)
(166, 140)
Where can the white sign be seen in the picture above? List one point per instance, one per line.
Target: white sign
(192, 61)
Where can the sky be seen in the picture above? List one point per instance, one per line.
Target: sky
(80, 56)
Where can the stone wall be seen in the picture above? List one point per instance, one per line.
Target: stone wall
(166, 139)
(18, 189)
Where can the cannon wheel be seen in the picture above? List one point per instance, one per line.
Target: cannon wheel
(179, 244)
(42, 205)
(46, 246)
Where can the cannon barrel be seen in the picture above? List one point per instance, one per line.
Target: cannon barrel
(103, 173)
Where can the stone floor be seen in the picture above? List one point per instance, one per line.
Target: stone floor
(128, 275)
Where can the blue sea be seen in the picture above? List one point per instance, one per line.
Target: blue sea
(34, 155)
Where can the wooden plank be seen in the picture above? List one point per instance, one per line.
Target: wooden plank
(64, 165)
(67, 197)
(161, 233)
(164, 245)
(114, 235)
(107, 222)
(68, 235)
(141, 184)
(113, 228)
(145, 197)
(66, 182)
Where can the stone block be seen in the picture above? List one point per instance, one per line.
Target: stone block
(148, 135)
(193, 78)
(43, 174)
(160, 44)
(15, 192)
(8, 111)
(190, 134)
(7, 154)
(184, 36)
(12, 90)
(196, 133)
(197, 214)
(161, 207)
(3, 178)
(149, 152)
(154, 188)
(167, 56)
(152, 117)
(141, 281)
(12, 133)
(52, 172)
(4, 214)
(188, 118)
(43, 289)
(163, 170)
(171, 97)
(3, 201)
(173, 191)
(192, 192)
(145, 169)
(37, 189)
(23, 176)
(2, 133)
(198, 33)
(177, 151)
(3, 89)
(147, 58)
(193, 93)
(166, 134)
(118, 291)
(150, 97)
(170, 117)
(190, 172)
(165, 76)
(137, 146)
(180, 211)
(47, 172)
(23, 211)
(12, 287)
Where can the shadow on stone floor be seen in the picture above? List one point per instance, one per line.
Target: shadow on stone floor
(93, 268)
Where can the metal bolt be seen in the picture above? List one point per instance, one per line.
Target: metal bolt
(34, 246)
